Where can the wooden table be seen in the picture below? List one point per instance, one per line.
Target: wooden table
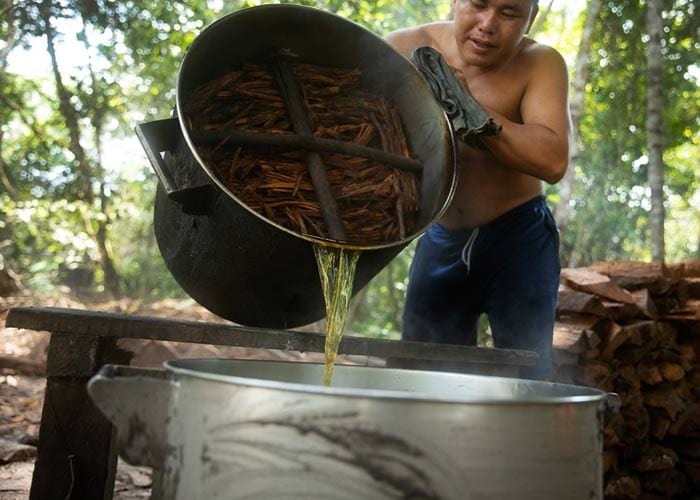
(77, 453)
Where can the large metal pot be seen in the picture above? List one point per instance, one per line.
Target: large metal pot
(232, 260)
(262, 429)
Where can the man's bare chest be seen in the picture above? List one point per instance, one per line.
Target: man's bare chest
(501, 90)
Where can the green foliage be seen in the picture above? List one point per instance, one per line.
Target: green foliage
(126, 71)
(380, 304)
(142, 267)
(609, 219)
(42, 237)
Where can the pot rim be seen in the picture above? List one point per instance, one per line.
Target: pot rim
(201, 38)
(182, 368)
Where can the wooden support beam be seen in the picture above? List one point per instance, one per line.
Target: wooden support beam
(77, 452)
(308, 142)
(293, 97)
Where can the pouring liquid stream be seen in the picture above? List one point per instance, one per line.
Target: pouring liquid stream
(336, 269)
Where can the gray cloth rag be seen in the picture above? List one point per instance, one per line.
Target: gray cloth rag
(468, 119)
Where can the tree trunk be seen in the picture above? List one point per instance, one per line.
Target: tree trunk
(112, 280)
(655, 129)
(6, 176)
(66, 109)
(541, 19)
(566, 185)
(69, 114)
(7, 10)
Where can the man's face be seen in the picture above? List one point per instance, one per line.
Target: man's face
(488, 31)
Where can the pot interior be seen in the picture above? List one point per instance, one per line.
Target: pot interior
(383, 383)
(257, 34)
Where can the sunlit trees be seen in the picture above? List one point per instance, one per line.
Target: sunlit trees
(71, 199)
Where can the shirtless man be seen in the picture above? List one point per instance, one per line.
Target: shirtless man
(496, 249)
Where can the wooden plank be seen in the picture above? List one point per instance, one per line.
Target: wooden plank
(104, 324)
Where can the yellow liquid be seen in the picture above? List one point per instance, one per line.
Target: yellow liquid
(336, 268)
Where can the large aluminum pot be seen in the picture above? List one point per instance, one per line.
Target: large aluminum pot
(262, 429)
(234, 261)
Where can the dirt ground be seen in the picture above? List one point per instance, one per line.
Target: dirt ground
(22, 382)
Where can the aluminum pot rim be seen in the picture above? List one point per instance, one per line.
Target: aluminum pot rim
(308, 237)
(180, 368)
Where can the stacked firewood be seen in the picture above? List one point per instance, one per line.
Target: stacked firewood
(634, 329)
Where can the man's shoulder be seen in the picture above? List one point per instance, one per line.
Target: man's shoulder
(432, 34)
(540, 55)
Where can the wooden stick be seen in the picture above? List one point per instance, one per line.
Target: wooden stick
(292, 93)
(308, 142)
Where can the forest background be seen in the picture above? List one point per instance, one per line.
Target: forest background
(76, 191)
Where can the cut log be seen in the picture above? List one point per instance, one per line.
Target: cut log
(671, 371)
(689, 268)
(693, 376)
(574, 301)
(610, 461)
(561, 358)
(630, 375)
(656, 458)
(569, 338)
(614, 431)
(688, 422)
(664, 334)
(659, 423)
(623, 484)
(589, 281)
(630, 393)
(691, 469)
(636, 334)
(688, 355)
(667, 482)
(649, 373)
(667, 306)
(621, 312)
(665, 397)
(596, 374)
(683, 390)
(647, 351)
(635, 275)
(636, 423)
(693, 287)
(645, 303)
(686, 448)
(690, 311)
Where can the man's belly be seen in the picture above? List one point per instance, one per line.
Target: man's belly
(486, 191)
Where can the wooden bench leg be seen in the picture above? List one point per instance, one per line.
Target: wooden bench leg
(77, 455)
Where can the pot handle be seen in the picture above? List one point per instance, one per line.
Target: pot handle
(155, 137)
(136, 401)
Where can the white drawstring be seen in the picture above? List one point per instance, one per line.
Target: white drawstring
(467, 250)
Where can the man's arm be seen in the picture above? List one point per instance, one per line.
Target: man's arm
(540, 145)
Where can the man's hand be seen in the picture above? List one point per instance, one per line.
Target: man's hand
(468, 118)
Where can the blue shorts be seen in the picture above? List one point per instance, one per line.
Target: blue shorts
(508, 269)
